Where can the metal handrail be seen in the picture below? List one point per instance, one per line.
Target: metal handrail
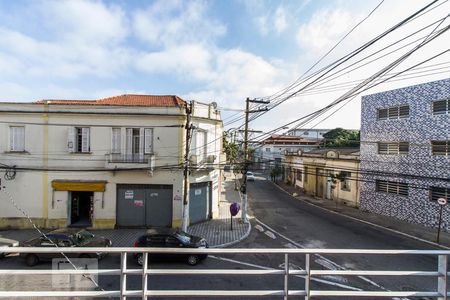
(441, 273)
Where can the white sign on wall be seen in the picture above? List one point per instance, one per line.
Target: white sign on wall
(129, 194)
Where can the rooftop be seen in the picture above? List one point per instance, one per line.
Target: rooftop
(124, 100)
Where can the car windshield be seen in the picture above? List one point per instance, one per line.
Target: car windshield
(183, 237)
(250, 173)
(83, 236)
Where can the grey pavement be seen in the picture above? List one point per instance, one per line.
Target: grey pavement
(414, 230)
(217, 231)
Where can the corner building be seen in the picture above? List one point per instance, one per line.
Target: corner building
(405, 153)
(106, 163)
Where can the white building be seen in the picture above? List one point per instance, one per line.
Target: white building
(113, 162)
(316, 134)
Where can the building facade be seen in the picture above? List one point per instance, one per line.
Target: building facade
(312, 133)
(112, 162)
(270, 153)
(405, 152)
(331, 174)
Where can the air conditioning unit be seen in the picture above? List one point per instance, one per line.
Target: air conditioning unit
(210, 159)
(193, 159)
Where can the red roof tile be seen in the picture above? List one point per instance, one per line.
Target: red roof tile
(125, 100)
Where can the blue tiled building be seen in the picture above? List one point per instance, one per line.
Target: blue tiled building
(405, 152)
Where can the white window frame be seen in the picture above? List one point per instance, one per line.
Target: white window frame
(73, 145)
(392, 187)
(392, 148)
(17, 138)
(148, 140)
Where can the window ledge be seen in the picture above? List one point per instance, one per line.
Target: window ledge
(16, 152)
(80, 153)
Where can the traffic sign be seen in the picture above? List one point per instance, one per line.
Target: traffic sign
(442, 201)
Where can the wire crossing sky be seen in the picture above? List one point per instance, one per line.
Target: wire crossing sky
(222, 51)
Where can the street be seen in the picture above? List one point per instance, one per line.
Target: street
(279, 221)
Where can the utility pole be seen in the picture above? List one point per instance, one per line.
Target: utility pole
(188, 128)
(246, 159)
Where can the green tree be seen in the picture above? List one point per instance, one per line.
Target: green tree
(340, 138)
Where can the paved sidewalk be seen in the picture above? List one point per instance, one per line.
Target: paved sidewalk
(415, 231)
(217, 232)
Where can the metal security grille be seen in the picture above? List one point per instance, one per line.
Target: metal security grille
(393, 148)
(438, 192)
(392, 187)
(392, 113)
(441, 107)
(440, 147)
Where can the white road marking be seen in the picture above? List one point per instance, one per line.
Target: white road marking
(321, 257)
(259, 228)
(270, 234)
(301, 276)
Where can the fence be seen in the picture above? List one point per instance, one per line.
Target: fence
(440, 274)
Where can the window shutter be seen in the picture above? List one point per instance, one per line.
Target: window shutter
(382, 114)
(141, 143)
(148, 140)
(129, 140)
(71, 139)
(21, 139)
(115, 143)
(85, 138)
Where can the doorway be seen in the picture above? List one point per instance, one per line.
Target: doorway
(81, 207)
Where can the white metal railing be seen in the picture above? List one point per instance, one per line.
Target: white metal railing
(308, 273)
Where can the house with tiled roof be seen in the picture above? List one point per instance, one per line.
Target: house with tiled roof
(109, 162)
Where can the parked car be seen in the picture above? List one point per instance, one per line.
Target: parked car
(66, 237)
(250, 176)
(170, 238)
(4, 242)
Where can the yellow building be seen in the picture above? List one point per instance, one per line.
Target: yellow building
(325, 173)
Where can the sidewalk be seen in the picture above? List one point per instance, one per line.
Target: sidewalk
(217, 232)
(414, 231)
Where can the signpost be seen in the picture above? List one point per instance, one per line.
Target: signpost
(234, 209)
(442, 202)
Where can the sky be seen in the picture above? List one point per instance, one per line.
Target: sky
(221, 51)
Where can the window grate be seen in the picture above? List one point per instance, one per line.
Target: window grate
(392, 187)
(441, 107)
(393, 148)
(439, 192)
(393, 113)
(440, 147)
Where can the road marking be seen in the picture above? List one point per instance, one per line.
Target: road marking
(270, 234)
(322, 257)
(259, 228)
(344, 286)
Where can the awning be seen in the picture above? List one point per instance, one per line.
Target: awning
(79, 186)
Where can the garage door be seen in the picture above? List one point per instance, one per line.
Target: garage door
(140, 205)
(199, 202)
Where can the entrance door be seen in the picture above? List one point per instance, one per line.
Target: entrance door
(200, 198)
(81, 209)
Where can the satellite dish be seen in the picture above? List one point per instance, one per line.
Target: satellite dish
(214, 104)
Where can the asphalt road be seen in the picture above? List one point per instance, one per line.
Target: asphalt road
(279, 221)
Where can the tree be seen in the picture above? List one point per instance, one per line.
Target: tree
(339, 138)
(275, 172)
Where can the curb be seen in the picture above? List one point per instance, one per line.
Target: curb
(366, 222)
(235, 241)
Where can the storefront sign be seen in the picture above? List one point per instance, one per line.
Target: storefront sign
(129, 194)
(139, 203)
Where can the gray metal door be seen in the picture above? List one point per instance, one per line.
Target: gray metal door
(159, 206)
(199, 202)
(143, 205)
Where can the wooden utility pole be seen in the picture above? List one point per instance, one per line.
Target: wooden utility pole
(246, 159)
(188, 128)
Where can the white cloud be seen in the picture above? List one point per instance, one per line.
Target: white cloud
(169, 23)
(280, 20)
(324, 29)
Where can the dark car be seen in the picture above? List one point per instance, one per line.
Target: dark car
(64, 238)
(171, 239)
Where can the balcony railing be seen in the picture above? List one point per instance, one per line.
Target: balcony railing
(440, 274)
(135, 158)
